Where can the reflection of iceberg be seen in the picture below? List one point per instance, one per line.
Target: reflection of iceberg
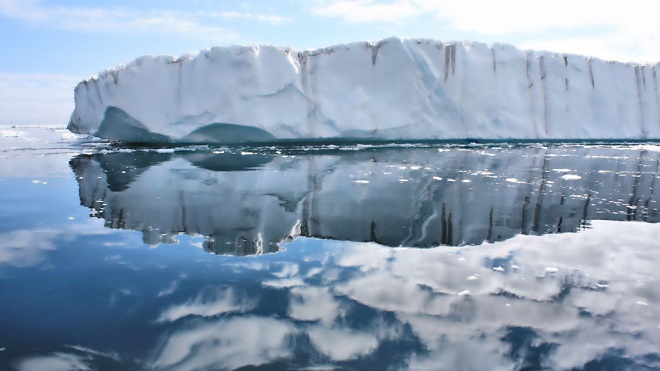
(245, 202)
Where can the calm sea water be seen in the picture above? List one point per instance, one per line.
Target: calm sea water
(374, 257)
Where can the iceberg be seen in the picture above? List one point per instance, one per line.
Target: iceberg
(394, 89)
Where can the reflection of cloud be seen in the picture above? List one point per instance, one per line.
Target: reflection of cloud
(557, 302)
(226, 344)
(54, 362)
(170, 289)
(580, 292)
(386, 292)
(212, 301)
(342, 344)
(30, 247)
(26, 248)
(313, 304)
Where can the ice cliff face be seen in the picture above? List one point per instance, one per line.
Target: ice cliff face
(393, 89)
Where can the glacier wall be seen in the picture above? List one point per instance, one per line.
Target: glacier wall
(393, 89)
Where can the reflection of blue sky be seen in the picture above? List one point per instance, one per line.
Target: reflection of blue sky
(567, 299)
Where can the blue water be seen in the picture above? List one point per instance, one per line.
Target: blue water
(329, 257)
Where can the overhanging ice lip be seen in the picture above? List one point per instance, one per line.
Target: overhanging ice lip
(403, 89)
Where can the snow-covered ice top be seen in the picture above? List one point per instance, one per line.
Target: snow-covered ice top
(393, 89)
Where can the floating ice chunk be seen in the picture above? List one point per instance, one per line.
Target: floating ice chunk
(463, 293)
(11, 133)
(571, 177)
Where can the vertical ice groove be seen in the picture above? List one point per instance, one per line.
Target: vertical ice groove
(544, 89)
(97, 90)
(453, 59)
(89, 96)
(639, 101)
(374, 51)
(591, 74)
(566, 78)
(657, 96)
(305, 75)
(179, 84)
(448, 53)
(492, 52)
(643, 77)
(531, 89)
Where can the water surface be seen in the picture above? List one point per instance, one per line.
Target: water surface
(425, 256)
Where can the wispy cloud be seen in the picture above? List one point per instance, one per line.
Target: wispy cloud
(123, 20)
(625, 31)
(268, 18)
(363, 11)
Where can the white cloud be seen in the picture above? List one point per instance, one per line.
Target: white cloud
(268, 18)
(124, 20)
(369, 10)
(623, 31)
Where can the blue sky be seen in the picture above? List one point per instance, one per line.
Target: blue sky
(50, 45)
